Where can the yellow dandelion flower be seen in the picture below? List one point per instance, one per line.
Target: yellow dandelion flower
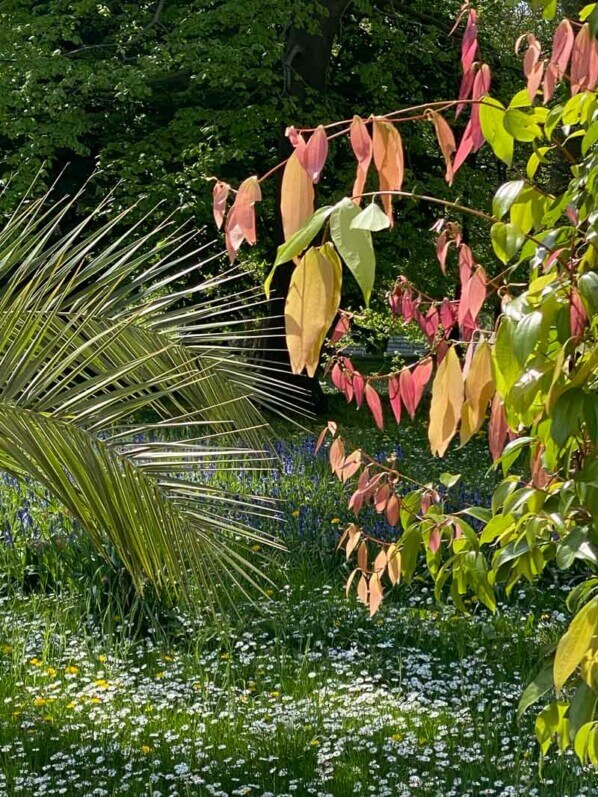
(40, 701)
(295, 513)
(225, 656)
(71, 669)
(269, 592)
(397, 737)
(36, 662)
(256, 547)
(335, 520)
(160, 675)
(102, 683)
(197, 687)
(16, 714)
(95, 699)
(168, 658)
(72, 704)
(51, 672)
(314, 742)
(275, 693)
(146, 749)
(102, 658)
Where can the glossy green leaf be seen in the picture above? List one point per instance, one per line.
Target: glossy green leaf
(588, 288)
(526, 335)
(507, 239)
(521, 125)
(301, 239)
(354, 245)
(505, 196)
(492, 113)
(541, 684)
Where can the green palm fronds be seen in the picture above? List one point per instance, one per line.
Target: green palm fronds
(95, 332)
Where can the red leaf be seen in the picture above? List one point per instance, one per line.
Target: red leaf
(469, 44)
(473, 296)
(441, 351)
(465, 147)
(448, 315)
(562, 46)
(465, 88)
(394, 394)
(584, 61)
(408, 306)
(338, 378)
(577, 314)
(412, 385)
(429, 323)
(362, 147)
(497, 427)
(315, 153)
(348, 389)
(442, 244)
(421, 376)
(388, 157)
(358, 387)
(375, 405)
(340, 330)
(481, 87)
(219, 196)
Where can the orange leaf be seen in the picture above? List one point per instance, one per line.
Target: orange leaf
(447, 400)
(497, 427)
(388, 157)
(362, 556)
(354, 537)
(362, 589)
(336, 456)
(380, 562)
(392, 510)
(350, 581)
(362, 147)
(375, 594)
(446, 142)
(296, 196)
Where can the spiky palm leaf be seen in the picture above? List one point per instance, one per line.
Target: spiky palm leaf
(92, 333)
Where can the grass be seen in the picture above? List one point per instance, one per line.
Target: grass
(304, 694)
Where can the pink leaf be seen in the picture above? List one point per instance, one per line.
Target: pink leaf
(466, 263)
(429, 324)
(394, 394)
(465, 147)
(534, 48)
(240, 224)
(338, 377)
(584, 61)
(481, 87)
(562, 45)
(375, 405)
(534, 79)
(358, 388)
(220, 195)
(361, 143)
(442, 244)
(340, 330)
(408, 306)
(421, 376)
(469, 44)
(434, 543)
(472, 298)
(316, 153)
(465, 88)
(551, 78)
(448, 315)
(407, 390)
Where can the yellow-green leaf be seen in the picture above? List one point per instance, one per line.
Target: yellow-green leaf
(447, 400)
(574, 644)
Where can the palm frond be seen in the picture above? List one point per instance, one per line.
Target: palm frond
(93, 335)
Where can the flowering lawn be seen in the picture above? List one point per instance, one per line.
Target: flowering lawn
(302, 694)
